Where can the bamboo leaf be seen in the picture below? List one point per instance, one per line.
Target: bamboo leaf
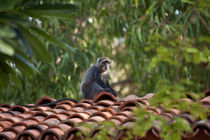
(52, 39)
(6, 48)
(37, 46)
(6, 5)
(15, 80)
(56, 10)
(24, 65)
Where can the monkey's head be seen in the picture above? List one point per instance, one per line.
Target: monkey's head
(104, 64)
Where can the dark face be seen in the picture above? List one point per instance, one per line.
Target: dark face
(105, 66)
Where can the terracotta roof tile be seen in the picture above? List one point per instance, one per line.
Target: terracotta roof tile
(60, 121)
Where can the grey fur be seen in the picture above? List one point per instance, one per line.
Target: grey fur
(97, 80)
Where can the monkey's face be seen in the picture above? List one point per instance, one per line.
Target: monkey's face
(105, 66)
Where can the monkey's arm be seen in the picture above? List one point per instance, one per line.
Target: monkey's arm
(98, 79)
(112, 90)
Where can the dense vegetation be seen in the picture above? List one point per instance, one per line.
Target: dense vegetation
(45, 46)
(159, 46)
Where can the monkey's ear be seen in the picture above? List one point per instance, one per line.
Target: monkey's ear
(99, 59)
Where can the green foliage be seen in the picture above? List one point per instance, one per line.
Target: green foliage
(21, 36)
(105, 130)
(157, 46)
(151, 42)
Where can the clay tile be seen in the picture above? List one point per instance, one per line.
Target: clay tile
(200, 133)
(63, 106)
(97, 118)
(5, 115)
(5, 106)
(68, 102)
(72, 134)
(30, 121)
(130, 97)
(148, 96)
(100, 107)
(37, 127)
(69, 113)
(3, 109)
(127, 113)
(41, 108)
(153, 134)
(169, 115)
(129, 108)
(108, 110)
(7, 135)
(39, 118)
(187, 116)
(115, 121)
(43, 114)
(47, 113)
(206, 92)
(64, 127)
(79, 107)
(173, 111)
(14, 119)
(205, 100)
(202, 123)
(86, 104)
(128, 123)
(5, 123)
(51, 122)
(92, 109)
(87, 101)
(104, 96)
(144, 102)
(57, 116)
(73, 121)
(25, 115)
(99, 114)
(44, 100)
(19, 108)
(131, 103)
(52, 133)
(104, 103)
(153, 109)
(58, 110)
(121, 118)
(166, 117)
(81, 115)
(30, 134)
(18, 128)
(186, 100)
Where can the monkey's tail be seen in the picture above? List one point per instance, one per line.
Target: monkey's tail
(51, 103)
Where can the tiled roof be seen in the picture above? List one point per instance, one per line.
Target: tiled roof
(60, 121)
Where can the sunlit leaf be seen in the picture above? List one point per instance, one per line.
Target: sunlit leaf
(56, 10)
(6, 48)
(188, 1)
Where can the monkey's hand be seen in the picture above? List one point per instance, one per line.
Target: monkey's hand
(111, 91)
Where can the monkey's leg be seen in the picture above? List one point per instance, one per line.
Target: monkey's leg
(92, 90)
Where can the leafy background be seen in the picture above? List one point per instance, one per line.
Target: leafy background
(46, 46)
(159, 46)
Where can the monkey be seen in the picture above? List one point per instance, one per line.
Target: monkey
(52, 104)
(96, 79)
